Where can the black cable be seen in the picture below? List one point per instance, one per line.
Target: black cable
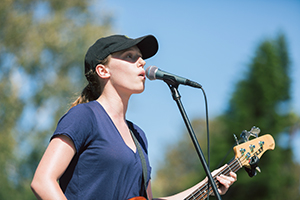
(207, 134)
(173, 85)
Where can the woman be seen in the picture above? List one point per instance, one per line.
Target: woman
(92, 151)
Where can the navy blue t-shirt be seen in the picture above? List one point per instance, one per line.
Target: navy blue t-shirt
(104, 167)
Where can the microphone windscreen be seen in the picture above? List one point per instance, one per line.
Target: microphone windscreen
(150, 72)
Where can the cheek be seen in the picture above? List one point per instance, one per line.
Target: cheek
(118, 68)
(122, 74)
(121, 77)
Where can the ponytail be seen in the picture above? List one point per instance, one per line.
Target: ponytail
(94, 88)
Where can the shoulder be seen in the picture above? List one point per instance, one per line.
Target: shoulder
(81, 112)
(78, 123)
(83, 108)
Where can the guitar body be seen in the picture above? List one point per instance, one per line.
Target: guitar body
(138, 198)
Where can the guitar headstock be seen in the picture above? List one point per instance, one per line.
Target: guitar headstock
(253, 148)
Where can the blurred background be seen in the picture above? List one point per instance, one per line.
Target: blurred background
(245, 54)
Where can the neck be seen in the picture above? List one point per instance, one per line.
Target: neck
(114, 105)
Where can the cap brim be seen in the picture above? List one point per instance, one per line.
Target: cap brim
(148, 46)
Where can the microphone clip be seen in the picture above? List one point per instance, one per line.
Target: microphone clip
(170, 80)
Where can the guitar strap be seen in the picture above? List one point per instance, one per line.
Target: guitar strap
(144, 165)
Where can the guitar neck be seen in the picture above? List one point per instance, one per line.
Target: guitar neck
(243, 154)
(203, 191)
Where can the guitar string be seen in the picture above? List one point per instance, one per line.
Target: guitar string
(202, 193)
(199, 192)
(233, 166)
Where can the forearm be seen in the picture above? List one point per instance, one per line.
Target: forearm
(226, 182)
(182, 194)
(47, 189)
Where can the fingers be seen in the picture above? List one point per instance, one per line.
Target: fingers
(226, 181)
(233, 175)
(218, 170)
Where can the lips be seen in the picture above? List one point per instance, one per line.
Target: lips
(143, 73)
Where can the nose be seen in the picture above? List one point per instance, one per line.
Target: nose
(141, 62)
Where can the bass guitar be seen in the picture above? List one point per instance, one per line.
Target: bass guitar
(247, 155)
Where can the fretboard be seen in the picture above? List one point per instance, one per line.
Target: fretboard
(202, 192)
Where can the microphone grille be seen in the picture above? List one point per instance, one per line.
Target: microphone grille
(150, 72)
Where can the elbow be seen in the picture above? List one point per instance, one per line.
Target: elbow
(33, 185)
(36, 187)
(46, 188)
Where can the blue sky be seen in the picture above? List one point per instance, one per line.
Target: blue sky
(210, 42)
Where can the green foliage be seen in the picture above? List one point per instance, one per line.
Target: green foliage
(264, 94)
(260, 99)
(182, 168)
(42, 48)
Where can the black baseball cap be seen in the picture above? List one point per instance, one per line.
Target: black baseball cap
(105, 46)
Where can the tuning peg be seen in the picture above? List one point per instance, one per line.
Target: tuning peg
(236, 140)
(252, 147)
(254, 131)
(261, 143)
(245, 135)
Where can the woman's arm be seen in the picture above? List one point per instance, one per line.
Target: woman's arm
(54, 162)
(226, 182)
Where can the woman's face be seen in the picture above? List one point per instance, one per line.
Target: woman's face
(127, 73)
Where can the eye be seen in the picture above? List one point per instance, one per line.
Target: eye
(132, 57)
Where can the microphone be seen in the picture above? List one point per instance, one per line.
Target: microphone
(153, 72)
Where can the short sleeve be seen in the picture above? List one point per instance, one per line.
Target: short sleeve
(77, 124)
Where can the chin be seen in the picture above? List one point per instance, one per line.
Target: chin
(139, 91)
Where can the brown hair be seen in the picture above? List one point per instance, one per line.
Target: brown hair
(94, 88)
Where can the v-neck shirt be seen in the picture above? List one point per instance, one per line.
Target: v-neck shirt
(104, 167)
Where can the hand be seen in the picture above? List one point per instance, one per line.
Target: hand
(226, 182)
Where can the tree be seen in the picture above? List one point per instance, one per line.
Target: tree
(42, 47)
(261, 99)
(181, 167)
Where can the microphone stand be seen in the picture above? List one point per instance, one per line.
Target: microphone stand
(176, 97)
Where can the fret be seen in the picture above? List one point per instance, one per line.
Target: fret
(202, 191)
(241, 159)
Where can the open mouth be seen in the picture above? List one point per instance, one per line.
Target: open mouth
(142, 74)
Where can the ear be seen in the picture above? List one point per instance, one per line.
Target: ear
(102, 71)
